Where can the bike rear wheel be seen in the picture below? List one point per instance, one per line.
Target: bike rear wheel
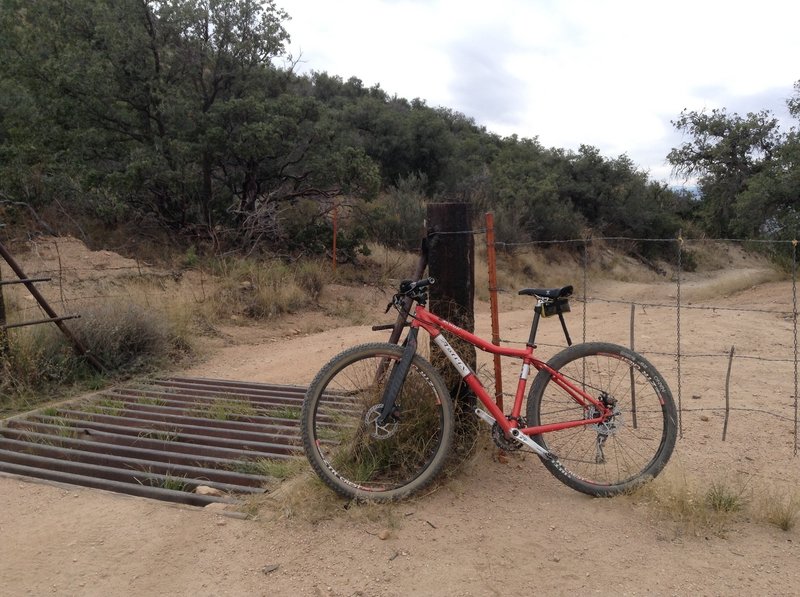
(632, 446)
(342, 441)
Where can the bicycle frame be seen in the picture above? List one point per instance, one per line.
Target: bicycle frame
(433, 324)
(378, 421)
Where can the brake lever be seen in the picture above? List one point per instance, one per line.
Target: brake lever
(394, 302)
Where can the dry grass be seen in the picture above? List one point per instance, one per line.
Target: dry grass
(303, 499)
(516, 269)
(41, 363)
(277, 469)
(224, 409)
(729, 282)
(391, 264)
(138, 323)
(714, 506)
(779, 509)
(124, 336)
(261, 290)
(722, 498)
(351, 310)
(623, 268)
(528, 267)
(38, 364)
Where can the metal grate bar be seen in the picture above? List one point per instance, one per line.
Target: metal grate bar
(160, 436)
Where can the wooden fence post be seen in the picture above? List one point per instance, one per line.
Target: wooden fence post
(451, 260)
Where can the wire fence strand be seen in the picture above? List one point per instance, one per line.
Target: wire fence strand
(75, 285)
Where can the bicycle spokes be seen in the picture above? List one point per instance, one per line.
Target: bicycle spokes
(349, 446)
(606, 455)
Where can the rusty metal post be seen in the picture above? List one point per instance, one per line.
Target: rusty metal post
(728, 394)
(49, 310)
(492, 259)
(335, 231)
(630, 369)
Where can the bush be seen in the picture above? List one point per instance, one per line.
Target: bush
(397, 218)
(125, 337)
(264, 289)
(37, 357)
(41, 362)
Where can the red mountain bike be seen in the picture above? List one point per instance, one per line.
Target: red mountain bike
(378, 419)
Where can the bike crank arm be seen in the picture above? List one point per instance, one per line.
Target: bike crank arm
(527, 441)
(517, 435)
(484, 416)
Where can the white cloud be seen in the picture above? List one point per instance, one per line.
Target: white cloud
(607, 73)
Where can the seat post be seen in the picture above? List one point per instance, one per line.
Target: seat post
(534, 326)
(564, 327)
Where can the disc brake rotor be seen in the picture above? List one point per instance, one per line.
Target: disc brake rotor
(385, 431)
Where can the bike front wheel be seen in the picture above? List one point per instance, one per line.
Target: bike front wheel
(630, 447)
(344, 444)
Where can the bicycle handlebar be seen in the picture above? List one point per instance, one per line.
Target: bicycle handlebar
(406, 286)
(410, 289)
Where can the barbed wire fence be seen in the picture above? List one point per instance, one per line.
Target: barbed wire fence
(775, 375)
(70, 278)
(770, 338)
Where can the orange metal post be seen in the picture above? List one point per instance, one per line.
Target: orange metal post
(498, 373)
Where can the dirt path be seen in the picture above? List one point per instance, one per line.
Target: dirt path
(493, 528)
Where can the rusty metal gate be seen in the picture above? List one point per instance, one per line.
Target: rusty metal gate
(161, 439)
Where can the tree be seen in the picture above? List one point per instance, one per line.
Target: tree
(525, 193)
(397, 218)
(774, 192)
(175, 108)
(725, 151)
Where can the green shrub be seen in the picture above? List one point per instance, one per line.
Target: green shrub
(41, 362)
(38, 359)
(125, 337)
(264, 289)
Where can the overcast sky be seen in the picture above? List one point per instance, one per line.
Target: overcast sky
(608, 73)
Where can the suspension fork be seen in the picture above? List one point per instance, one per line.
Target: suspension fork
(398, 376)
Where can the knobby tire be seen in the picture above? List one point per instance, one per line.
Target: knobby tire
(637, 442)
(347, 452)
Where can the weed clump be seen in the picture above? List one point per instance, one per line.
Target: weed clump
(262, 290)
(779, 509)
(37, 361)
(721, 498)
(695, 508)
(41, 362)
(225, 409)
(125, 337)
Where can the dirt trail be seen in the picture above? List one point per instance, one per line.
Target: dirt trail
(491, 529)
